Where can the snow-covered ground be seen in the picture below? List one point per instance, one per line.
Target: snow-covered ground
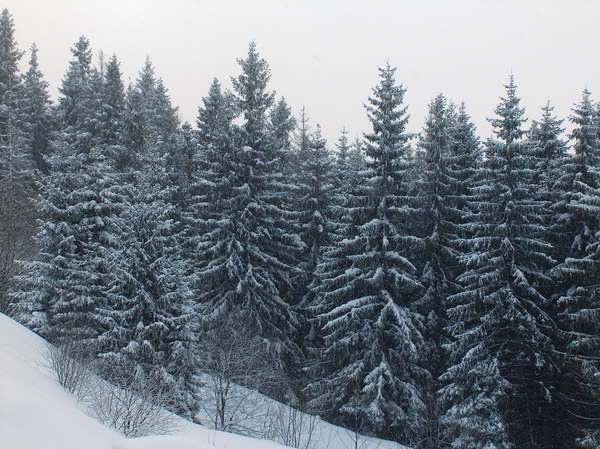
(35, 412)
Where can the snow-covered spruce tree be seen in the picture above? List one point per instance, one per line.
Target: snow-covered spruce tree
(344, 171)
(244, 270)
(17, 215)
(551, 156)
(149, 116)
(281, 188)
(350, 163)
(112, 121)
(500, 382)
(346, 168)
(315, 189)
(79, 200)
(281, 126)
(549, 147)
(80, 100)
(439, 189)
(369, 368)
(301, 139)
(213, 135)
(37, 117)
(216, 117)
(578, 308)
(439, 201)
(10, 79)
(349, 176)
(465, 161)
(152, 316)
(343, 146)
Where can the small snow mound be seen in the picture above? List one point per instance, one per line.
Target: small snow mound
(161, 442)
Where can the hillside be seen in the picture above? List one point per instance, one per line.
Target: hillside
(35, 411)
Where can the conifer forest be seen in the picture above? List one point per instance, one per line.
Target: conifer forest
(436, 289)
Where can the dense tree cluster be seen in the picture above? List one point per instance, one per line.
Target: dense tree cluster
(426, 288)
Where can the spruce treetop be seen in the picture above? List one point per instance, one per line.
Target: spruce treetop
(146, 80)
(586, 135)
(253, 98)
(343, 146)
(10, 81)
(76, 90)
(82, 58)
(9, 53)
(508, 127)
(282, 124)
(34, 70)
(436, 125)
(387, 141)
(214, 119)
(546, 134)
(302, 137)
(114, 86)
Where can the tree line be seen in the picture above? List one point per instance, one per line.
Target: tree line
(431, 288)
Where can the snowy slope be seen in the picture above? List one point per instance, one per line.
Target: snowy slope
(35, 411)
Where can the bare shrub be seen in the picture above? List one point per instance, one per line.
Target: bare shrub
(70, 366)
(236, 365)
(133, 401)
(124, 397)
(291, 427)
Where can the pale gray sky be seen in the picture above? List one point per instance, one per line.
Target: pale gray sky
(324, 54)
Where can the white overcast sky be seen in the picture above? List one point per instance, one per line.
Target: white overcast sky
(324, 54)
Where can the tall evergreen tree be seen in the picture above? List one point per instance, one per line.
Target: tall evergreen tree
(440, 195)
(113, 103)
(316, 200)
(149, 117)
(370, 361)
(280, 197)
(215, 118)
(500, 384)
(465, 157)
(436, 195)
(214, 134)
(350, 162)
(79, 98)
(302, 135)
(343, 146)
(551, 155)
(245, 273)
(149, 302)
(10, 79)
(579, 307)
(79, 201)
(37, 118)
(17, 217)
(253, 98)
(546, 135)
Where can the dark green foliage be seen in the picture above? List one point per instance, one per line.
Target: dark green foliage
(440, 202)
(37, 119)
(150, 119)
(17, 217)
(503, 352)
(369, 369)
(578, 308)
(245, 249)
